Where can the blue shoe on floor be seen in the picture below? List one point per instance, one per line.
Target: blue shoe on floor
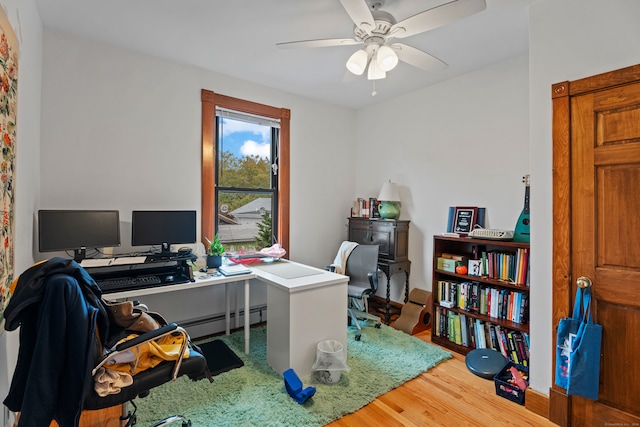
(293, 384)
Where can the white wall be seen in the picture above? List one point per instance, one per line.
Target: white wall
(122, 131)
(463, 142)
(25, 21)
(569, 40)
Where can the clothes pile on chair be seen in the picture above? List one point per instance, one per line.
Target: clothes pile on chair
(68, 333)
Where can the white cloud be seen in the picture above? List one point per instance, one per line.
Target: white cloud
(236, 126)
(253, 148)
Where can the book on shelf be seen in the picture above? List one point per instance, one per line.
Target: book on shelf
(365, 208)
(373, 208)
(478, 298)
(457, 329)
(464, 330)
(480, 337)
(509, 266)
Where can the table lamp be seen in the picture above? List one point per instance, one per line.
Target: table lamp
(389, 198)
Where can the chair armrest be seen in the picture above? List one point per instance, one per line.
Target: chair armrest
(373, 280)
(146, 337)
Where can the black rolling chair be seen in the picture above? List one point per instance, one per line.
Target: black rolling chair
(362, 268)
(64, 328)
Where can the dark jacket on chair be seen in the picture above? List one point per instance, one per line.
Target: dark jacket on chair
(58, 308)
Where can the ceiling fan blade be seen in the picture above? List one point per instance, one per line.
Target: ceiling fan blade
(418, 58)
(360, 14)
(436, 17)
(317, 43)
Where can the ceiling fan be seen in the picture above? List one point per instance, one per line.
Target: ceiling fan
(376, 28)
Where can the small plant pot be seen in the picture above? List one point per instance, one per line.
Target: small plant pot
(214, 261)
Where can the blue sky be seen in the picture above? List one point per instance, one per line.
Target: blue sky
(244, 139)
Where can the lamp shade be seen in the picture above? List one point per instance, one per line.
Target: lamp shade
(386, 58)
(357, 62)
(389, 192)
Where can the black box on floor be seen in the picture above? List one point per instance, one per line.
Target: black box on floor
(506, 386)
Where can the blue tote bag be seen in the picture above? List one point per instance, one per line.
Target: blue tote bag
(578, 350)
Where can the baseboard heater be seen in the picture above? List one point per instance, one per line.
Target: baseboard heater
(218, 317)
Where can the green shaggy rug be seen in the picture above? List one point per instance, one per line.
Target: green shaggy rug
(254, 395)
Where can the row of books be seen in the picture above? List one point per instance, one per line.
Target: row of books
(476, 333)
(475, 297)
(365, 208)
(510, 266)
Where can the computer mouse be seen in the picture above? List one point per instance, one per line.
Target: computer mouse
(169, 279)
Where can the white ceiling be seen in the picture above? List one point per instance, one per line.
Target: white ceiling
(238, 38)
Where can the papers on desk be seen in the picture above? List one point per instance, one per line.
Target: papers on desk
(104, 262)
(128, 260)
(233, 269)
(98, 262)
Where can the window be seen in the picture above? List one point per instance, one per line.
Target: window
(245, 172)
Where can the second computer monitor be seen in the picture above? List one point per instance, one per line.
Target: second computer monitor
(162, 228)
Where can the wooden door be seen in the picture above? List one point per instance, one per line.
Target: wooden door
(597, 234)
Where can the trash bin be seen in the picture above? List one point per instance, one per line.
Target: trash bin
(331, 360)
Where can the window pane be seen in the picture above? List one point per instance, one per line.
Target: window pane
(244, 220)
(245, 154)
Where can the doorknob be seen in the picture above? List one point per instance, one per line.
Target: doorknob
(583, 282)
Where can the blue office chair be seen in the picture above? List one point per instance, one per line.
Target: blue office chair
(362, 268)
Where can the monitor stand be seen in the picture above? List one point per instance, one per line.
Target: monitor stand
(165, 253)
(79, 254)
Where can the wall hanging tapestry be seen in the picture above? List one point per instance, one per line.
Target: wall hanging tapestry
(8, 110)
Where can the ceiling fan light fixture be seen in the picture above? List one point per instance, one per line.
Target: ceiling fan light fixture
(386, 58)
(375, 72)
(357, 62)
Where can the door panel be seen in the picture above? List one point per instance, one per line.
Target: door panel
(617, 211)
(605, 231)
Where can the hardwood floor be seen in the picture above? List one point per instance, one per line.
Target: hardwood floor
(447, 395)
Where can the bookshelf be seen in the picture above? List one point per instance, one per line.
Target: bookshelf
(490, 310)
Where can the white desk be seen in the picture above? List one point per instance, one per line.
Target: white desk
(305, 305)
(199, 283)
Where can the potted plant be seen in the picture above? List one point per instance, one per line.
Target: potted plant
(215, 252)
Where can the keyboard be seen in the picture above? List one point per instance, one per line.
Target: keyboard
(128, 283)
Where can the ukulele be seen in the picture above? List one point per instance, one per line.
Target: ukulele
(522, 233)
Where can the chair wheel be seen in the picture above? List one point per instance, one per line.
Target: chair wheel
(378, 325)
(358, 337)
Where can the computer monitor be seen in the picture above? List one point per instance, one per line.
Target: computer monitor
(163, 228)
(76, 230)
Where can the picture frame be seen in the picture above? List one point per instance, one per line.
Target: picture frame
(464, 219)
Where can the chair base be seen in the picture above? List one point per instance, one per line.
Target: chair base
(355, 316)
(170, 420)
